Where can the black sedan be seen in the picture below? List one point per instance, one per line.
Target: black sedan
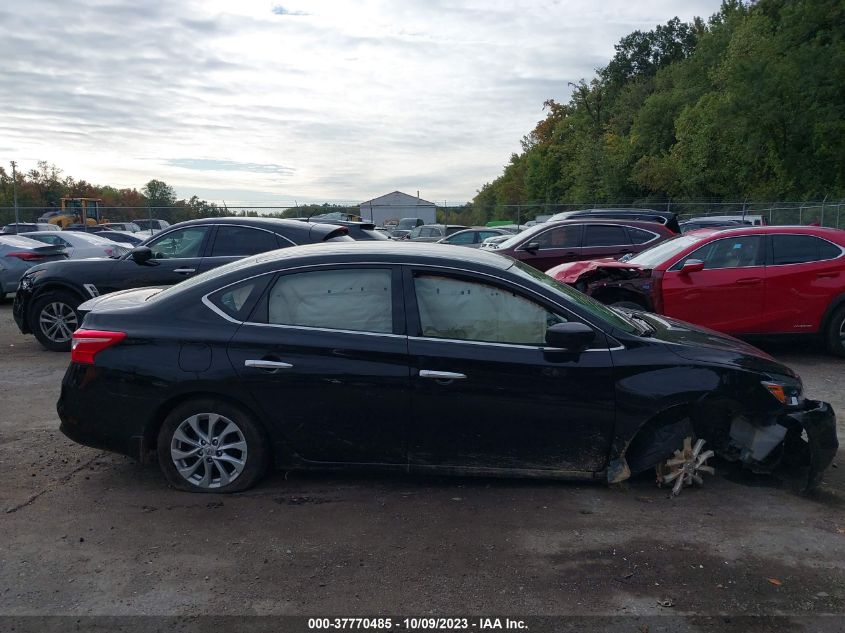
(421, 358)
(48, 296)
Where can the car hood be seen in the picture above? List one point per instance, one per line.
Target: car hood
(78, 268)
(696, 343)
(572, 272)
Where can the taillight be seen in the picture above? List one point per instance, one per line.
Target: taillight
(88, 343)
(26, 256)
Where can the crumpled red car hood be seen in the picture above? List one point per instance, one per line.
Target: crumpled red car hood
(570, 272)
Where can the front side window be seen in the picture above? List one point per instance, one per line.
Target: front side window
(359, 300)
(181, 243)
(801, 249)
(239, 241)
(728, 252)
(467, 310)
(605, 235)
(561, 237)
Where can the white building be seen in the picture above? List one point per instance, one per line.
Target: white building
(392, 207)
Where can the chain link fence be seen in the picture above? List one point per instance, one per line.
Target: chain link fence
(824, 212)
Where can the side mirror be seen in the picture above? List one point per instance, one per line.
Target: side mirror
(532, 247)
(141, 254)
(692, 266)
(573, 337)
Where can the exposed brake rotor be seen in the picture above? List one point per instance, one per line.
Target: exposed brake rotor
(685, 467)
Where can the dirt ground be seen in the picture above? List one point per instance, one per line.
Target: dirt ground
(91, 533)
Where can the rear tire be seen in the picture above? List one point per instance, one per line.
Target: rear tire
(208, 445)
(54, 317)
(835, 334)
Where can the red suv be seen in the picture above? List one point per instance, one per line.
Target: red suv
(750, 280)
(549, 244)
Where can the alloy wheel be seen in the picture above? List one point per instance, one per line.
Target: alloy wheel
(208, 450)
(58, 321)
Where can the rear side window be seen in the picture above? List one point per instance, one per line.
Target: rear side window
(800, 249)
(240, 241)
(358, 300)
(640, 236)
(237, 301)
(601, 235)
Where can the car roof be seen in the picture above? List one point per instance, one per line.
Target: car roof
(20, 241)
(387, 251)
(829, 233)
(286, 227)
(637, 224)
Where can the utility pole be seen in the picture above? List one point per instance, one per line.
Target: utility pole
(15, 193)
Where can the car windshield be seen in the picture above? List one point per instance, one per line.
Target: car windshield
(513, 240)
(599, 310)
(658, 254)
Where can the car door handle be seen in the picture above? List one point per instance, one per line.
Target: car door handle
(748, 281)
(184, 271)
(267, 364)
(830, 274)
(441, 375)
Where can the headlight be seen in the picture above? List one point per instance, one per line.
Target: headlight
(786, 392)
(29, 278)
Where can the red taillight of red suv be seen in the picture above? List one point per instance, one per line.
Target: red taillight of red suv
(88, 343)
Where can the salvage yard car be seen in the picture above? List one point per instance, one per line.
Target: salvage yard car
(760, 280)
(48, 296)
(546, 245)
(80, 245)
(301, 358)
(18, 254)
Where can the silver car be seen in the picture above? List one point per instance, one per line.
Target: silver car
(18, 254)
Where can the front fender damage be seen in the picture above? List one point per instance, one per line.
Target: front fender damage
(795, 446)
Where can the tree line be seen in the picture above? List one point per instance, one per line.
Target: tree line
(749, 104)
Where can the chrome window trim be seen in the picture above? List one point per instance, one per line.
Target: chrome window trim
(529, 291)
(311, 328)
(815, 261)
(539, 348)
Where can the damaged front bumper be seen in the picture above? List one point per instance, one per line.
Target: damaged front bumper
(798, 445)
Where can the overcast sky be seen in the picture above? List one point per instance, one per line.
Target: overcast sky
(257, 102)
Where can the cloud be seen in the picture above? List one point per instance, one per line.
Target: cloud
(280, 10)
(211, 95)
(205, 164)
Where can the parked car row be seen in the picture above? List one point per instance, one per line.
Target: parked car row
(214, 376)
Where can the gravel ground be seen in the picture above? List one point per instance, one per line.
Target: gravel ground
(91, 533)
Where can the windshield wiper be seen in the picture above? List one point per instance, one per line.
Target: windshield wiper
(648, 328)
